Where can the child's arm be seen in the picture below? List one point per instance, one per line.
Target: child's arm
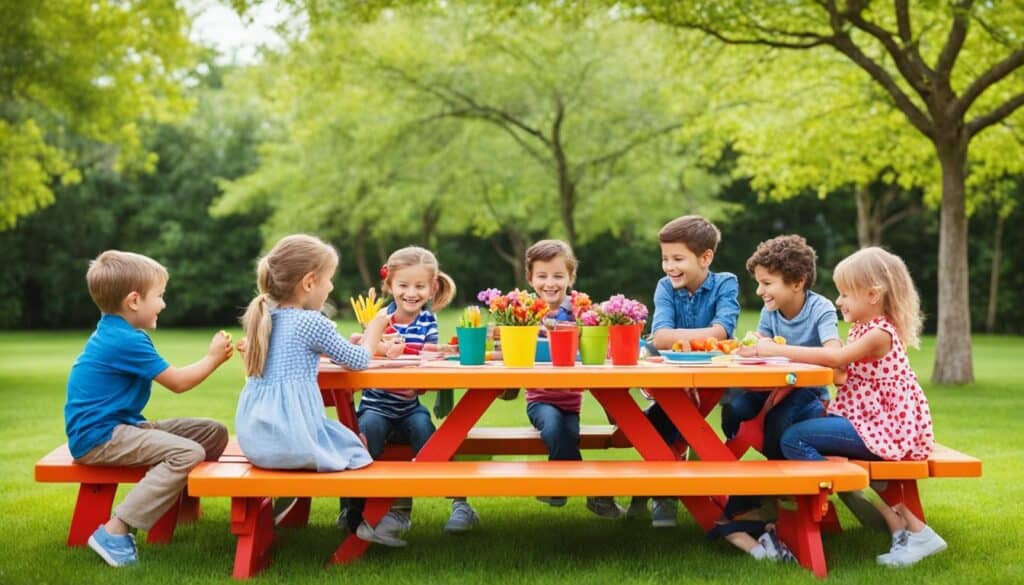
(874, 344)
(180, 380)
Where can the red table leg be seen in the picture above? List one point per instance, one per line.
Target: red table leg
(446, 440)
(800, 530)
(190, 511)
(298, 515)
(91, 509)
(341, 400)
(252, 520)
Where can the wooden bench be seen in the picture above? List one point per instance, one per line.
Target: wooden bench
(96, 491)
(250, 489)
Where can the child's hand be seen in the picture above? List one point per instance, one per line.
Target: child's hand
(241, 346)
(220, 347)
(355, 338)
(394, 347)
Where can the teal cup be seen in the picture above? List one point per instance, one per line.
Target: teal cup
(472, 345)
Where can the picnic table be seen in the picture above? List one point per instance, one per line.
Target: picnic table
(673, 386)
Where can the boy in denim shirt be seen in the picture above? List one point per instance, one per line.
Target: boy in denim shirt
(110, 384)
(690, 302)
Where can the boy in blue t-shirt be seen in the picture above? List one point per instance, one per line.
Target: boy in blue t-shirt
(110, 384)
(690, 302)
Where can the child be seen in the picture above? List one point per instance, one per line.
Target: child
(880, 411)
(690, 302)
(784, 268)
(551, 270)
(109, 386)
(412, 276)
(280, 419)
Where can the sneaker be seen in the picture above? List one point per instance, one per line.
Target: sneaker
(637, 509)
(865, 511)
(918, 546)
(117, 551)
(367, 533)
(394, 523)
(463, 518)
(605, 507)
(663, 512)
(553, 501)
(899, 542)
(775, 549)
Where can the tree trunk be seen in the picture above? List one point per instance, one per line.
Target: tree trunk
(953, 362)
(993, 281)
(864, 216)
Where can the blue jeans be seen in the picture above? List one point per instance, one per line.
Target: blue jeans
(559, 429)
(799, 405)
(811, 440)
(412, 429)
(662, 424)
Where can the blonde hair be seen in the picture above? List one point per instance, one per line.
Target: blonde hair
(277, 275)
(876, 269)
(417, 256)
(548, 250)
(114, 274)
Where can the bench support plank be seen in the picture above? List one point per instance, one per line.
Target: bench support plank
(252, 520)
(800, 529)
(904, 491)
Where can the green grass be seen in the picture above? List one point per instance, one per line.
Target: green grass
(520, 540)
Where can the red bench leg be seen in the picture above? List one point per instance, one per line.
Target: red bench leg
(252, 520)
(354, 547)
(163, 530)
(800, 530)
(298, 516)
(830, 523)
(91, 509)
(189, 511)
(904, 491)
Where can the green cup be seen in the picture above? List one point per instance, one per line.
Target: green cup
(593, 344)
(472, 345)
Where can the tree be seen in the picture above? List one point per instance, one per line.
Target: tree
(75, 73)
(438, 120)
(912, 55)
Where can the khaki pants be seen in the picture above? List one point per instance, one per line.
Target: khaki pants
(172, 448)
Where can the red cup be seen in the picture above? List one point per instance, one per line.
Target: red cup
(564, 345)
(625, 344)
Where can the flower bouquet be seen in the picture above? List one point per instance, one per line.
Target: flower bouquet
(519, 315)
(472, 337)
(625, 318)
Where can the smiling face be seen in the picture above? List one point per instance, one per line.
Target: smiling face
(684, 268)
(859, 306)
(551, 279)
(141, 311)
(777, 294)
(412, 287)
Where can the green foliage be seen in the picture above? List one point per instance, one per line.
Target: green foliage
(78, 71)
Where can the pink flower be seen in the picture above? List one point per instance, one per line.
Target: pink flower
(488, 295)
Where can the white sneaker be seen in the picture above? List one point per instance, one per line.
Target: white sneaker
(899, 542)
(367, 533)
(918, 546)
(775, 549)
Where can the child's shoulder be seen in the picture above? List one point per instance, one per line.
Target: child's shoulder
(819, 302)
(723, 283)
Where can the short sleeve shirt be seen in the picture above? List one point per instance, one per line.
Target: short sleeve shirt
(109, 384)
(716, 300)
(812, 327)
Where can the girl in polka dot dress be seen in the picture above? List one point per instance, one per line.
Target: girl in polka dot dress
(879, 411)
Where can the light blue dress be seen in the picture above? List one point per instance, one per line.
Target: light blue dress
(280, 420)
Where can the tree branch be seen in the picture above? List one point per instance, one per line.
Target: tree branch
(623, 150)
(954, 40)
(985, 80)
(903, 21)
(1002, 112)
(906, 58)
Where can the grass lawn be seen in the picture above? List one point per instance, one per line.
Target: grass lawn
(520, 540)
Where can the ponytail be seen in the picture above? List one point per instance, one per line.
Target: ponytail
(445, 292)
(256, 323)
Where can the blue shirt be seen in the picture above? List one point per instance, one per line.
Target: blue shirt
(109, 384)
(392, 404)
(716, 300)
(812, 327)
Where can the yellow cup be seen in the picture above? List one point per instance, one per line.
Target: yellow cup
(519, 345)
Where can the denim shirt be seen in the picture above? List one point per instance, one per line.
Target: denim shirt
(716, 300)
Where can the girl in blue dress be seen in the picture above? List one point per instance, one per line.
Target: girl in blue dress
(280, 420)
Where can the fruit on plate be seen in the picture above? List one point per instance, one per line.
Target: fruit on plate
(779, 339)
(681, 345)
(749, 339)
(728, 345)
(698, 345)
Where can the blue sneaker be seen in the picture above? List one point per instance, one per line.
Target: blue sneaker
(663, 512)
(117, 551)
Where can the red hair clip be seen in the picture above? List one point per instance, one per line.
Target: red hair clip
(384, 272)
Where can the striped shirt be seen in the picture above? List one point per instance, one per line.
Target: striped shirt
(400, 403)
